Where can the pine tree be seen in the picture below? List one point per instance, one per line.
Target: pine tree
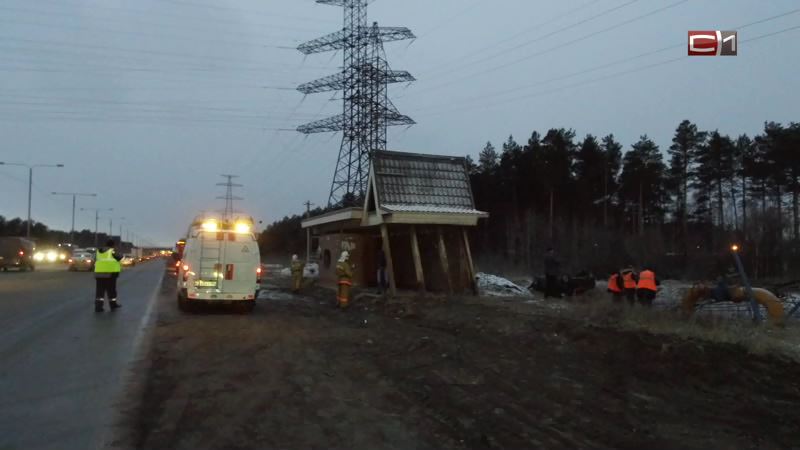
(488, 158)
(612, 163)
(589, 176)
(558, 151)
(685, 144)
(642, 180)
(715, 170)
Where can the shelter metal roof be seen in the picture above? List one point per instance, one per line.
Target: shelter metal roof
(412, 182)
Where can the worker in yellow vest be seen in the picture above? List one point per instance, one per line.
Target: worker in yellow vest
(106, 272)
(344, 273)
(647, 287)
(297, 273)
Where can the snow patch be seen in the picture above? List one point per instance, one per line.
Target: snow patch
(496, 286)
(311, 270)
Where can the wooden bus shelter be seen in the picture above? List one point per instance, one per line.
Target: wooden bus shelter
(416, 214)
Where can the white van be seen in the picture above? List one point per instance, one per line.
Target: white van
(221, 263)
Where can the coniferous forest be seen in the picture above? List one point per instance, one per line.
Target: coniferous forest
(603, 204)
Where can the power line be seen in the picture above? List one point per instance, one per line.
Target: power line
(144, 33)
(122, 49)
(569, 13)
(178, 18)
(250, 11)
(613, 75)
(615, 62)
(459, 13)
(557, 47)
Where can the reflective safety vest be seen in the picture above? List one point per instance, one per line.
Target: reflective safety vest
(613, 284)
(345, 273)
(106, 263)
(627, 280)
(297, 267)
(647, 280)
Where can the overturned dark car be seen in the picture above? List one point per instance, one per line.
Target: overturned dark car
(568, 285)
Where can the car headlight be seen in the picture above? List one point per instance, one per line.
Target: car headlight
(52, 256)
(38, 256)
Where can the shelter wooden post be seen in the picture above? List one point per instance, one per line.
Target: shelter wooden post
(387, 251)
(443, 260)
(417, 259)
(470, 266)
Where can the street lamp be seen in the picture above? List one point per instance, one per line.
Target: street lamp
(30, 184)
(74, 196)
(748, 288)
(111, 227)
(96, 219)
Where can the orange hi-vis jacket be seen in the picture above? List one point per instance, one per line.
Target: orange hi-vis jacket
(627, 280)
(647, 281)
(613, 284)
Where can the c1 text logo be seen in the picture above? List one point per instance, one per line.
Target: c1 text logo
(713, 43)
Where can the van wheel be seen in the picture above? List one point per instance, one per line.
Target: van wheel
(246, 307)
(183, 304)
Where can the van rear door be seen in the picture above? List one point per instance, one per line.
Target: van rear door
(239, 263)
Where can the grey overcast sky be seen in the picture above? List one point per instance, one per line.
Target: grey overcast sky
(147, 101)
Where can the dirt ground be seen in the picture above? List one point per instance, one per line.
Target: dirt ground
(466, 374)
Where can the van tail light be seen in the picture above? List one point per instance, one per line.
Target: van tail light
(21, 253)
(185, 272)
(259, 271)
(69, 260)
(177, 263)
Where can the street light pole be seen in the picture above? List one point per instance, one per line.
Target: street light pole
(96, 220)
(30, 185)
(111, 227)
(74, 195)
(30, 196)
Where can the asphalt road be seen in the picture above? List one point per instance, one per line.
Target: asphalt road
(62, 365)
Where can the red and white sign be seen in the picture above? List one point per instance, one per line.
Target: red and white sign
(713, 43)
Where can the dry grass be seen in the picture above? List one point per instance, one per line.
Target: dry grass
(756, 339)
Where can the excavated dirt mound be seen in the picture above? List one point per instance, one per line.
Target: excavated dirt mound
(471, 373)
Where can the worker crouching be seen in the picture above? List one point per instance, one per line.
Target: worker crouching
(344, 272)
(629, 279)
(615, 287)
(297, 273)
(647, 287)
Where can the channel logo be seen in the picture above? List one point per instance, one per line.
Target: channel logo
(713, 43)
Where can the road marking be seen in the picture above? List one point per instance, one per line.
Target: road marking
(104, 438)
(148, 312)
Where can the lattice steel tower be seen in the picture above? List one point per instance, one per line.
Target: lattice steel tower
(229, 197)
(364, 81)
